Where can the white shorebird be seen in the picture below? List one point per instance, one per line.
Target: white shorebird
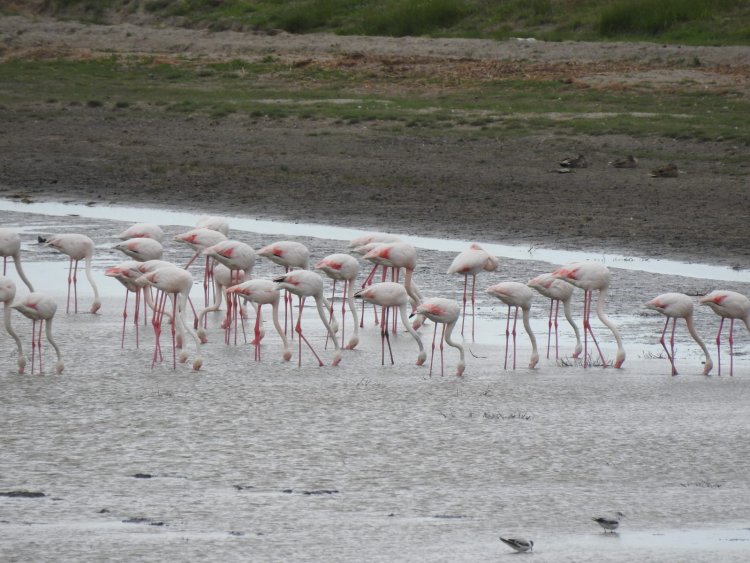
(519, 544)
(516, 295)
(609, 524)
(445, 312)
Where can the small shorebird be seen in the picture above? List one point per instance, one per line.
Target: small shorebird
(519, 544)
(668, 171)
(574, 162)
(627, 162)
(609, 524)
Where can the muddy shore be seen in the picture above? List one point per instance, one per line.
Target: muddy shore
(452, 185)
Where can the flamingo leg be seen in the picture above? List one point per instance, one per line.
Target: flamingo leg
(173, 331)
(671, 346)
(718, 344)
(256, 341)
(588, 296)
(344, 293)
(557, 313)
(515, 320)
(124, 318)
(302, 337)
(75, 285)
(136, 314)
(463, 310)
(70, 279)
(442, 341)
(33, 344)
(507, 337)
(731, 348)
(664, 345)
(432, 353)
(549, 325)
(473, 287)
(330, 316)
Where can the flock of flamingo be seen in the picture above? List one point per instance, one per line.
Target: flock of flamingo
(165, 288)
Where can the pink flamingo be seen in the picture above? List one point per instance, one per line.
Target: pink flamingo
(516, 295)
(224, 278)
(214, 223)
(127, 273)
(445, 312)
(678, 306)
(177, 282)
(372, 237)
(289, 254)
(143, 230)
(7, 294)
(304, 283)
(400, 255)
(141, 249)
(387, 295)
(78, 247)
(557, 291)
(469, 263)
(40, 307)
(590, 277)
(262, 292)
(345, 268)
(10, 247)
(199, 239)
(728, 305)
(361, 251)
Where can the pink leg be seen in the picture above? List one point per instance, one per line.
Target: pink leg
(33, 344)
(75, 285)
(671, 345)
(473, 287)
(432, 353)
(549, 325)
(557, 312)
(256, 341)
(718, 344)
(507, 338)
(731, 347)
(663, 343)
(302, 336)
(174, 330)
(70, 280)
(330, 317)
(463, 310)
(39, 345)
(515, 319)
(137, 313)
(442, 342)
(124, 318)
(344, 294)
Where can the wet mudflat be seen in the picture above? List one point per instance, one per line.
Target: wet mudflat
(363, 462)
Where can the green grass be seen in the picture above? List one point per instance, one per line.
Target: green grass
(121, 87)
(699, 22)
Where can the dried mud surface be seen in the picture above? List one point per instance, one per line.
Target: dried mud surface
(452, 185)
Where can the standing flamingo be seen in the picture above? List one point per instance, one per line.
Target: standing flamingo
(678, 306)
(400, 255)
(591, 276)
(239, 258)
(445, 312)
(78, 247)
(214, 223)
(728, 305)
(142, 230)
(557, 291)
(346, 268)
(199, 239)
(469, 263)
(289, 254)
(10, 247)
(516, 295)
(7, 294)
(177, 282)
(40, 307)
(262, 292)
(304, 283)
(127, 273)
(387, 295)
(372, 237)
(224, 278)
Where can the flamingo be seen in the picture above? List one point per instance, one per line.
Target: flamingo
(591, 276)
(386, 295)
(142, 230)
(239, 258)
(40, 307)
(10, 247)
(78, 247)
(224, 278)
(361, 251)
(175, 281)
(214, 223)
(141, 249)
(7, 294)
(262, 292)
(728, 305)
(678, 306)
(557, 291)
(400, 255)
(304, 283)
(289, 254)
(127, 274)
(372, 237)
(469, 263)
(346, 268)
(445, 312)
(199, 239)
(516, 295)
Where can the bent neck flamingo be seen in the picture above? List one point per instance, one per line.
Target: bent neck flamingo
(445, 312)
(342, 267)
(10, 247)
(7, 294)
(516, 295)
(557, 291)
(728, 305)
(40, 307)
(77, 247)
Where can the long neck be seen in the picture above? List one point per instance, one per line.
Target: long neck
(322, 304)
(569, 318)
(694, 334)
(405, 321)
(97, 303)
(451, 342)
(352, 306)
(411, 287)
(182, 298)
(6, 321)
(276, 323)
(611, 326)
(19, 269)
(48, 332)
(527, 326)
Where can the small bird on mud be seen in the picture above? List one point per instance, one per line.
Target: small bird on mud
(519, 544)
(609, 524)
(668, 171)
(628, 162)
(574, 162)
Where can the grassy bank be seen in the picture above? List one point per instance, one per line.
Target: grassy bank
(269, 89)
(697, 22)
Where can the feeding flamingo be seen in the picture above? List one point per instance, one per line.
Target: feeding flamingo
(728, 305)
(590, 277)
(445, 312)
(10, 247)
(516, 295)
(557, 291)
(40, 307)
(678, 306)
(78, 247)
(289, 254)
(143, 230)
(7, 294)
(141, 249)
(346, 268)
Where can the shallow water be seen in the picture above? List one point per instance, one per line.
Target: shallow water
(365, 462)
